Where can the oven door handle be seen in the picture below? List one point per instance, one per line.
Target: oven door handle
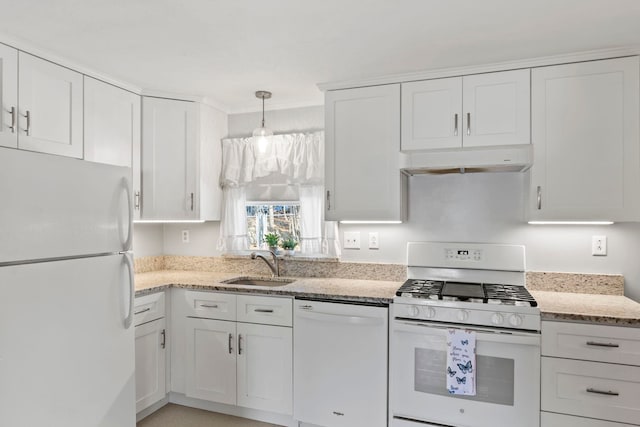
(488, 335)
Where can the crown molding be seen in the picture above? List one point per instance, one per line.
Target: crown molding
(590, 55)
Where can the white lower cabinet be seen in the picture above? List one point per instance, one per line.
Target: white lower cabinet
(150, 349)
(239, 363)
(589, 375)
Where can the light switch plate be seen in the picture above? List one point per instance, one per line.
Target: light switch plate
(351, 240)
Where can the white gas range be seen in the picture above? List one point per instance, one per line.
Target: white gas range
(478, 290)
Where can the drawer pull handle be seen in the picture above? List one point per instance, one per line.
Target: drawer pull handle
(607, 393)
(209, 305)
(306, 307)
(142, 311)
(603, 344)
(340, 414)
(263, 310)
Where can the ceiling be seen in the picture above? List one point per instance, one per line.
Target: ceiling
(226, 50)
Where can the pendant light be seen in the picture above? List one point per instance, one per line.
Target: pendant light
(260, 134)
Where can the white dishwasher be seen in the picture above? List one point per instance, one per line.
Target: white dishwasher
(340, 364)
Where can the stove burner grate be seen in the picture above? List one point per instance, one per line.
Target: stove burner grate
(493, 293)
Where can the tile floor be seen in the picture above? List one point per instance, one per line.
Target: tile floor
(181, 416)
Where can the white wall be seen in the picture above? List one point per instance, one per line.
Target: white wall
(147, 240)
(470, 207)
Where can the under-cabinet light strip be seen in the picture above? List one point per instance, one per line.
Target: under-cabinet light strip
(168, 221)
(571, 222)
(370, 222)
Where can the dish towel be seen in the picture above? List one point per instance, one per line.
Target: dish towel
(461, 362)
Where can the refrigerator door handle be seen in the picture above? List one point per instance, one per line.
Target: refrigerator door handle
(129, 319)
(127, 242)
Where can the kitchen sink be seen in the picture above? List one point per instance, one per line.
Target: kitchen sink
(258, 281)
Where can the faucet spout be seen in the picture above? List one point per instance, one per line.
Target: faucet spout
(274, 267)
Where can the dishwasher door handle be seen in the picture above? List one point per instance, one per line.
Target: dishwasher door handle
(339, 318)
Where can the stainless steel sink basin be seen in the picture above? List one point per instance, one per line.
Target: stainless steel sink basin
(254, 281)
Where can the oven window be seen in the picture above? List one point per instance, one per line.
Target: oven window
(494, 377)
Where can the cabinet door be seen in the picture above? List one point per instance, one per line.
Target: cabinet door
(112, 128)
(432, 114)
(211, 360)
(169, 167)
(496, 108)
(8, 96)
(50, 107)
(362, 178)
(265, 367)
(586, 141)
(150, 363)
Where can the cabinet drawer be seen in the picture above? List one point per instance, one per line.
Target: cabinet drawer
(149, 307)
(548, 419)
(591, 389)
(265, 310)
(613, 344)
(211, 305)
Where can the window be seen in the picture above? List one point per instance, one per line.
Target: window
(282, 218)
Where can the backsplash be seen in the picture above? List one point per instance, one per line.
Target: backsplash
(307, 267)
(577, 283)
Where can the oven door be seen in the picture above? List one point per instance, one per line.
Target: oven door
(507, 378)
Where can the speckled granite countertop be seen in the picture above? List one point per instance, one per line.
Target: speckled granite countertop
(591, 308)
(574, 306)
(368, 291)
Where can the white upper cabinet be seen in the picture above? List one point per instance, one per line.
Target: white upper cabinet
(8, 96)
(472, 111)
(181, 155)
(112, 129)
(432, 114)
(362, 179)
(586, 141)
(111, 123)
(50, 110)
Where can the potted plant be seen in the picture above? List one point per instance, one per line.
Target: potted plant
(289, 245)
(272, 241)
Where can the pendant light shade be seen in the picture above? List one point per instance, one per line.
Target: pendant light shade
(261, 133)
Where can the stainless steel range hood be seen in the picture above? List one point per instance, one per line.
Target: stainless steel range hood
(508, 158)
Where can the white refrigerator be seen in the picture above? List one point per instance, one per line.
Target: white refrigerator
(66, 293)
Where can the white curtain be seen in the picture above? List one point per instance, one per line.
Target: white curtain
(299, 160)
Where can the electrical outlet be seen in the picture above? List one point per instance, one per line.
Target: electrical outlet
(351, 240)
(185, 236)
(373, 240)
(599, 245)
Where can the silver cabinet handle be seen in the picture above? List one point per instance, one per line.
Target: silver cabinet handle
(605, 392)
(136, 202)
(455, 124)
(209, 305)
(603, 344)
(129, 240)
(539, 197)
(328, 200)
(340, 414)
(28, 129)
(230, 341)
(468, 124)
(142, 311)
(306, 307)
(263, 310)
(12, 111)
(239, 344)
(192, 201)
(163, 334)
(129, 319)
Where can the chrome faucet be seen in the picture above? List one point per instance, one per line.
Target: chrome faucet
(275, 267)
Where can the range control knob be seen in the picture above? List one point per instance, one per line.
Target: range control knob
(413, 311)
(515, 320)
(497, 319)
(462, 315)
(430, 312)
